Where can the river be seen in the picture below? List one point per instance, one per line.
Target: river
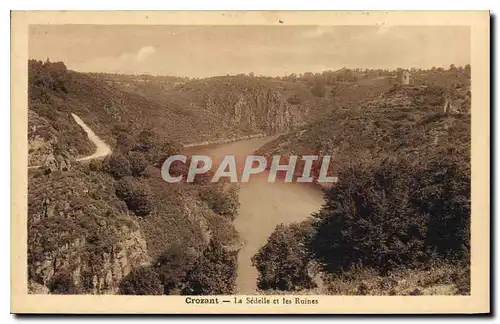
(263, 206)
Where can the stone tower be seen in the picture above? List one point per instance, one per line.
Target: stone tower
(404, 77)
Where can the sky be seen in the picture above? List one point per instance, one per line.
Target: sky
(204, 51)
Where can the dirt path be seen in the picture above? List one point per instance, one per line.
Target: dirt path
(102, 149)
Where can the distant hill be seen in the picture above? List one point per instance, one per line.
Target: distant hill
(401, 121)
(176, 109)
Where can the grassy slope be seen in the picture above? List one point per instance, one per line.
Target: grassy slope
(405, 121)
(438, 279)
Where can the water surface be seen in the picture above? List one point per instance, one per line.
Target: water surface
(263, 206)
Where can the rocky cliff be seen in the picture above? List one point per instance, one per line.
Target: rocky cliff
(79, 232)
(247, 105)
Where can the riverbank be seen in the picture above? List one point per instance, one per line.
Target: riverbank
(224, 141)
(263, 205)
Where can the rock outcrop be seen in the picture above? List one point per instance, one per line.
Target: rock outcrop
(79, 230)
(59, 162)
(90, 272)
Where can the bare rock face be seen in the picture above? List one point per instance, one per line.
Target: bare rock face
(63, 162)
(267, 110)
(50, 164)
(257, 108)
(116, 264)
(91, 272)
(36, 288)
(41, 139)
(60, 162)
(80, 234)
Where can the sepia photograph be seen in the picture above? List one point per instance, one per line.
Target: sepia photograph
(256, 163)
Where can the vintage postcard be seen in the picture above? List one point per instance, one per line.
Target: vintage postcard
(250, 162)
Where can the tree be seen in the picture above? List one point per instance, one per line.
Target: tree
(318, 89)
(367, 219)
(62, 284)
(155, 149)
(138, 164)
(214, 273)
(117, 165)
(294, 100)
(48, 75)
(442, 191)
(141, 281)
(124, 142)
(224, 203)
(145, 141)
(467, 70)
(173, 266)
(95, 165)
(283, 262)
(162, 151)
(396, 212)
(136, 194)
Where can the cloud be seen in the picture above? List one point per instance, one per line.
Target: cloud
(127, 62)
(145, 52)
(382, 29)
(318, 32)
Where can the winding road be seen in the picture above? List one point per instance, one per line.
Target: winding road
(102, 149)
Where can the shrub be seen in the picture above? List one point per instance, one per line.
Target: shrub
(294, 100)
(138, 164)
(214, 273)
(367, 219)
(136, 194)
(62, 283)
(283, 262)
(442, 192)
(223, 203)
(124, 142)
(172, 267)
(141, 281)
(318, 90)
(117, 165)
(95, 165)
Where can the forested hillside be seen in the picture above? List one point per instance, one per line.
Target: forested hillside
(183, 111)
(115, 226)
(400, 210)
